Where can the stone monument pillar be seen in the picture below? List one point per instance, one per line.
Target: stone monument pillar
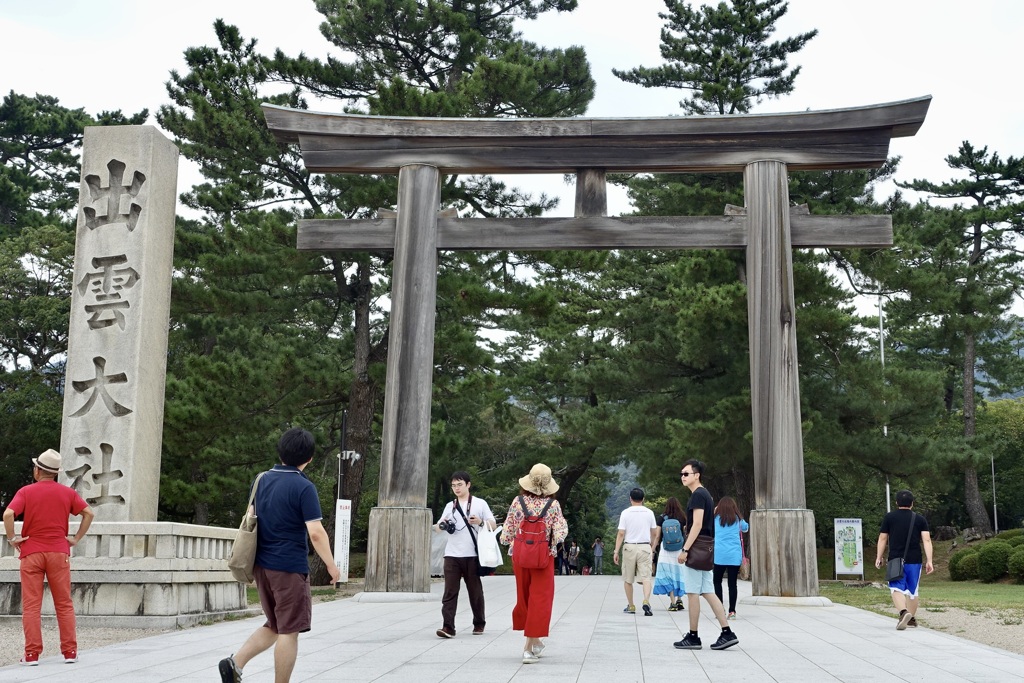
(783, 556)
(130, 570)
(117, 340)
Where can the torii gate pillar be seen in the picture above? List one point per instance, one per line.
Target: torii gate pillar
(398, 543)
(784, 561)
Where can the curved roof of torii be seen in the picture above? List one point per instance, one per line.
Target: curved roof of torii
(857, 137)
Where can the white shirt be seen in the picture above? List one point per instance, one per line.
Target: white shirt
(637, 521)
(460, 544)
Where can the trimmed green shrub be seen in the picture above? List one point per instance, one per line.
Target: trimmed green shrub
(955, 561)
(1015, 565)
(1016, 541)
(992, 559)
(1009, 533)
(967, 568)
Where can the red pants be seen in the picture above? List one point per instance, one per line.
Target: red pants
(535, 591)
(57, 569)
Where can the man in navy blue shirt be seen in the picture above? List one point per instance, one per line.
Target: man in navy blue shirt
(287, 508)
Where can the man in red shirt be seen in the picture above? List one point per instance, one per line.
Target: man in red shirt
(45, 550)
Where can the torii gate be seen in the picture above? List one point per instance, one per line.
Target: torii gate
(762, 147)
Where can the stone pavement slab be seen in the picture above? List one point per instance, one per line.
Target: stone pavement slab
(591, 641)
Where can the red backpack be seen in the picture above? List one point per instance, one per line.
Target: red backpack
(532, 547)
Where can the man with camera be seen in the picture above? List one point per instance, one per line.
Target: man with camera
(462, 519)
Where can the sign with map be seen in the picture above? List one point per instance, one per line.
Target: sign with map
(849, 547)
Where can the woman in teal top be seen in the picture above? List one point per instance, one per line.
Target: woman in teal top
(728, 549)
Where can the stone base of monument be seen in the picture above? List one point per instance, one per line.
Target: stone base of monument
(141, 575)
(405, 568)
(773, 601)
(783, 555)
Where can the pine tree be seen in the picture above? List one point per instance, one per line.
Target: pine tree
(953, 278)
(723, 55)
(422, 58)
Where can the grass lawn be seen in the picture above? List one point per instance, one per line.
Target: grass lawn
(937, 590)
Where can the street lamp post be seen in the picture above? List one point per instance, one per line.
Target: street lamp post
(881, 352)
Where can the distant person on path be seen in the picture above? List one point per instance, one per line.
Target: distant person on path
(637, 537)
(535, 587)
(896, 531)
(598, 547)
(574, 557)
(45, 551)
(669, 578)
(728, 548)
(288, 509)
(700, 517)
(461, 563)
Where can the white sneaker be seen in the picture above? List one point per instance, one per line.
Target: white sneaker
(537, 649)
(530, 658)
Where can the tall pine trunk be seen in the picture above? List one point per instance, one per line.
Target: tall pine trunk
(972, 494)
(363, 396)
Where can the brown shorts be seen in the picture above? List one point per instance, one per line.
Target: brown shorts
(286, 600)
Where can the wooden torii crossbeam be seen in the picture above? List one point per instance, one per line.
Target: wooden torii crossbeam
(763, 147)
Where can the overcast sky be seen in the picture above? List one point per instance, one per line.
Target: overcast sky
(101, 54)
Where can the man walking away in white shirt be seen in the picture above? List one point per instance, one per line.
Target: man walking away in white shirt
(638, 536)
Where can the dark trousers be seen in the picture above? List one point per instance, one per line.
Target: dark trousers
(599, 564)
(734, 572)
(458, 569)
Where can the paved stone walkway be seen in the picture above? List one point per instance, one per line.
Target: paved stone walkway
(591, 640)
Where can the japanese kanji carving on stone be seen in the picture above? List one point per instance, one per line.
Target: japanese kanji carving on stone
(106, 286)
(113, 194)
(98, 387)
(102, 478)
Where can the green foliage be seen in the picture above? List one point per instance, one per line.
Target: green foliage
(967, 568)
(1015, 564)
(1001, 430)
(1009, 534)
(956, 573)
(951, 281)
(992, 558)
(39, 139)
(1016, 541)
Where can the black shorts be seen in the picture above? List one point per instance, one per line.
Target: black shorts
(286, 600)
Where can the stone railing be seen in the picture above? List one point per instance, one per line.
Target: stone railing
(141, 574)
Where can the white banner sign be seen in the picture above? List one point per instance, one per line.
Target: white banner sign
(849, 547)
(342, 526)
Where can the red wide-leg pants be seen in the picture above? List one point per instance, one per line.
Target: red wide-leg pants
(535, 591)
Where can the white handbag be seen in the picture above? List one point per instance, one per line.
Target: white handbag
(488, 551)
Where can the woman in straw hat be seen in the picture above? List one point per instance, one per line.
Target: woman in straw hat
(535, 587)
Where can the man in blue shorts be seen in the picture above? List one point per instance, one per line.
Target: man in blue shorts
(287, 508)
(700, 521)
(899, 528)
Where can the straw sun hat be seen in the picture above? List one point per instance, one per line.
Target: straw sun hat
(539, 481)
